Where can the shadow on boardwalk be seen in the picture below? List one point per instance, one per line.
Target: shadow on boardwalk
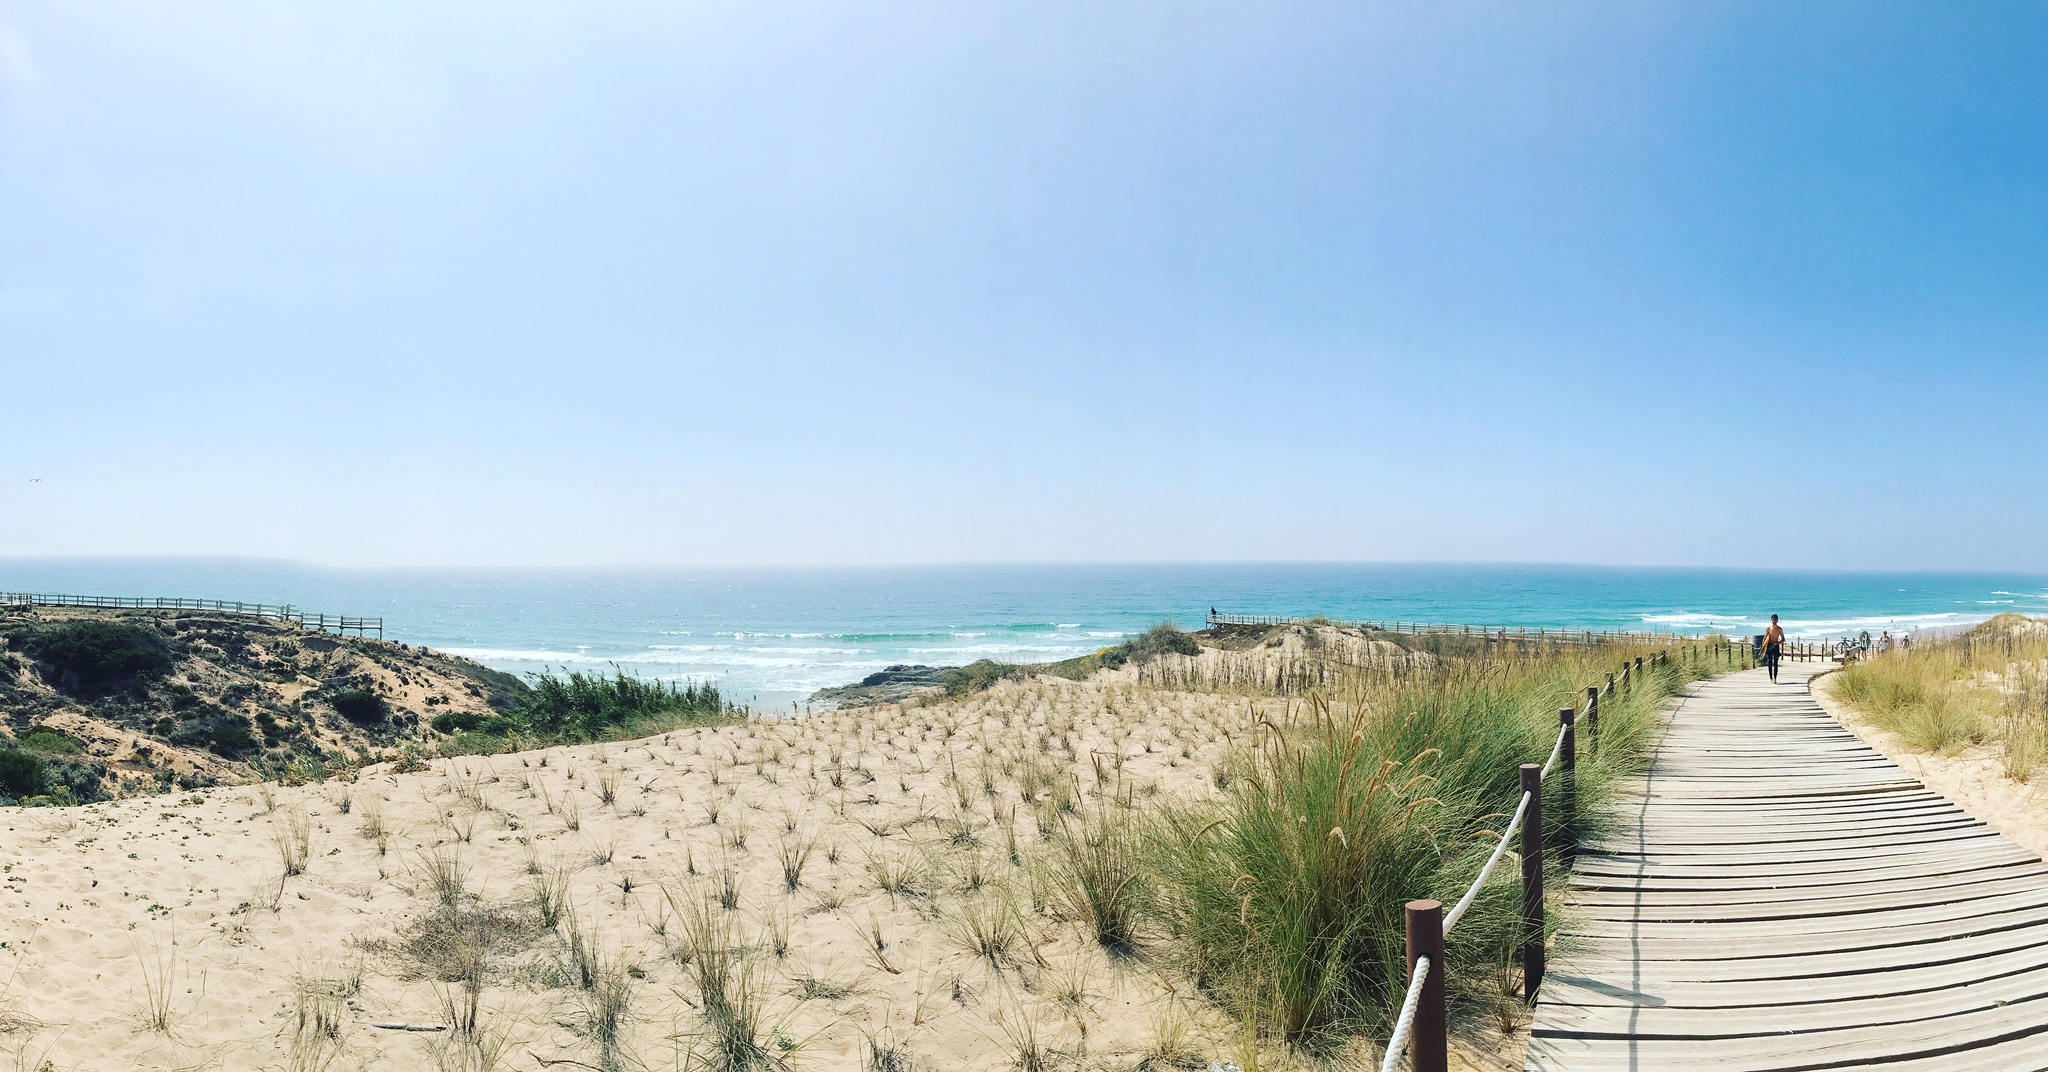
(1783, 897)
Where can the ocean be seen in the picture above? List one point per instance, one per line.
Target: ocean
(770, 637)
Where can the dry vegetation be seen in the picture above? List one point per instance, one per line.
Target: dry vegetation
(1047, 874)
(1988, 686)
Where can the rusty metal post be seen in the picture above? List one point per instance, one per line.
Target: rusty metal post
(1532, 883)
(1428, 1044)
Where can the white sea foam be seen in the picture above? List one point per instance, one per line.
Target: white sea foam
(1810, 628)
(787, 651)
(999, 649)
(489, 655)
(1691, 619)
(758, 662)
(1901, 623)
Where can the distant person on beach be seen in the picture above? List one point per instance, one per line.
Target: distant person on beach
(1774, 645)
(1884, 643)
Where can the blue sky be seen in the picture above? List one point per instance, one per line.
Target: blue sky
(624, 284)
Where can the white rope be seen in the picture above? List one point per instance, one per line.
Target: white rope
(1451, 918)
(1554, 751)
(1398, 1042)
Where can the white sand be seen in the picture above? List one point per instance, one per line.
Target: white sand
(98, 894)
(107, 900)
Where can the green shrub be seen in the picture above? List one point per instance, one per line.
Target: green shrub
(979, 675)
(454, 722)
(223, 734)
(100, 656)
(275, 732)
(589, 707)
(50, 742)
(360, 706)
(23, 774)
(1162, 639)
(76, 781)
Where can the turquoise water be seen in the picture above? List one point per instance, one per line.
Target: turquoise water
(772, 636)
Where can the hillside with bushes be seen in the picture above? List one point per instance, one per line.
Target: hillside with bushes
(98, 703)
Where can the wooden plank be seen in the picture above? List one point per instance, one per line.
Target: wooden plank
(1777, 896)
(1936, 969)
(1946, 885)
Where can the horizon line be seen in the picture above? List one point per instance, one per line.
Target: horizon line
(942, 564)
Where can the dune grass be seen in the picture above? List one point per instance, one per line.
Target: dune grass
(1285, 895)
(1989, 685)
(592, 707)
(579, 708)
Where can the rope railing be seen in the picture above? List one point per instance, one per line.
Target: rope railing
(1554, 751)
(1457, 913)
(1420, 1024)
(1406, 1021)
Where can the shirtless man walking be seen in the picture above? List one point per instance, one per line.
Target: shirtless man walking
(1774, 645)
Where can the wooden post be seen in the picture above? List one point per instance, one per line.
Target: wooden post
(1568, 765)
(1593, 718)
(1428, 1045)
(1532, 883)
(1610, 684)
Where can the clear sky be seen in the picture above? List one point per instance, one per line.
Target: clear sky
(645, 284)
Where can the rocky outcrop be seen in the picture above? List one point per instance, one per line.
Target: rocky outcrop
(892, 684)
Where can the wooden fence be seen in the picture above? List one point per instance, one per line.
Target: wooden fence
(328, 623)
(1494, 633)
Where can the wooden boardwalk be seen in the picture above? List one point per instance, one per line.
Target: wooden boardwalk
(1783, 897)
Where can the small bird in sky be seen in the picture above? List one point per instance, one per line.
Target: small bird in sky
(35, 480)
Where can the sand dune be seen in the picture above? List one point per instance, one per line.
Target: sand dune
(188, 895)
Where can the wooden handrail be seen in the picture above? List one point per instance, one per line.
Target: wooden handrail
(328, 623)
